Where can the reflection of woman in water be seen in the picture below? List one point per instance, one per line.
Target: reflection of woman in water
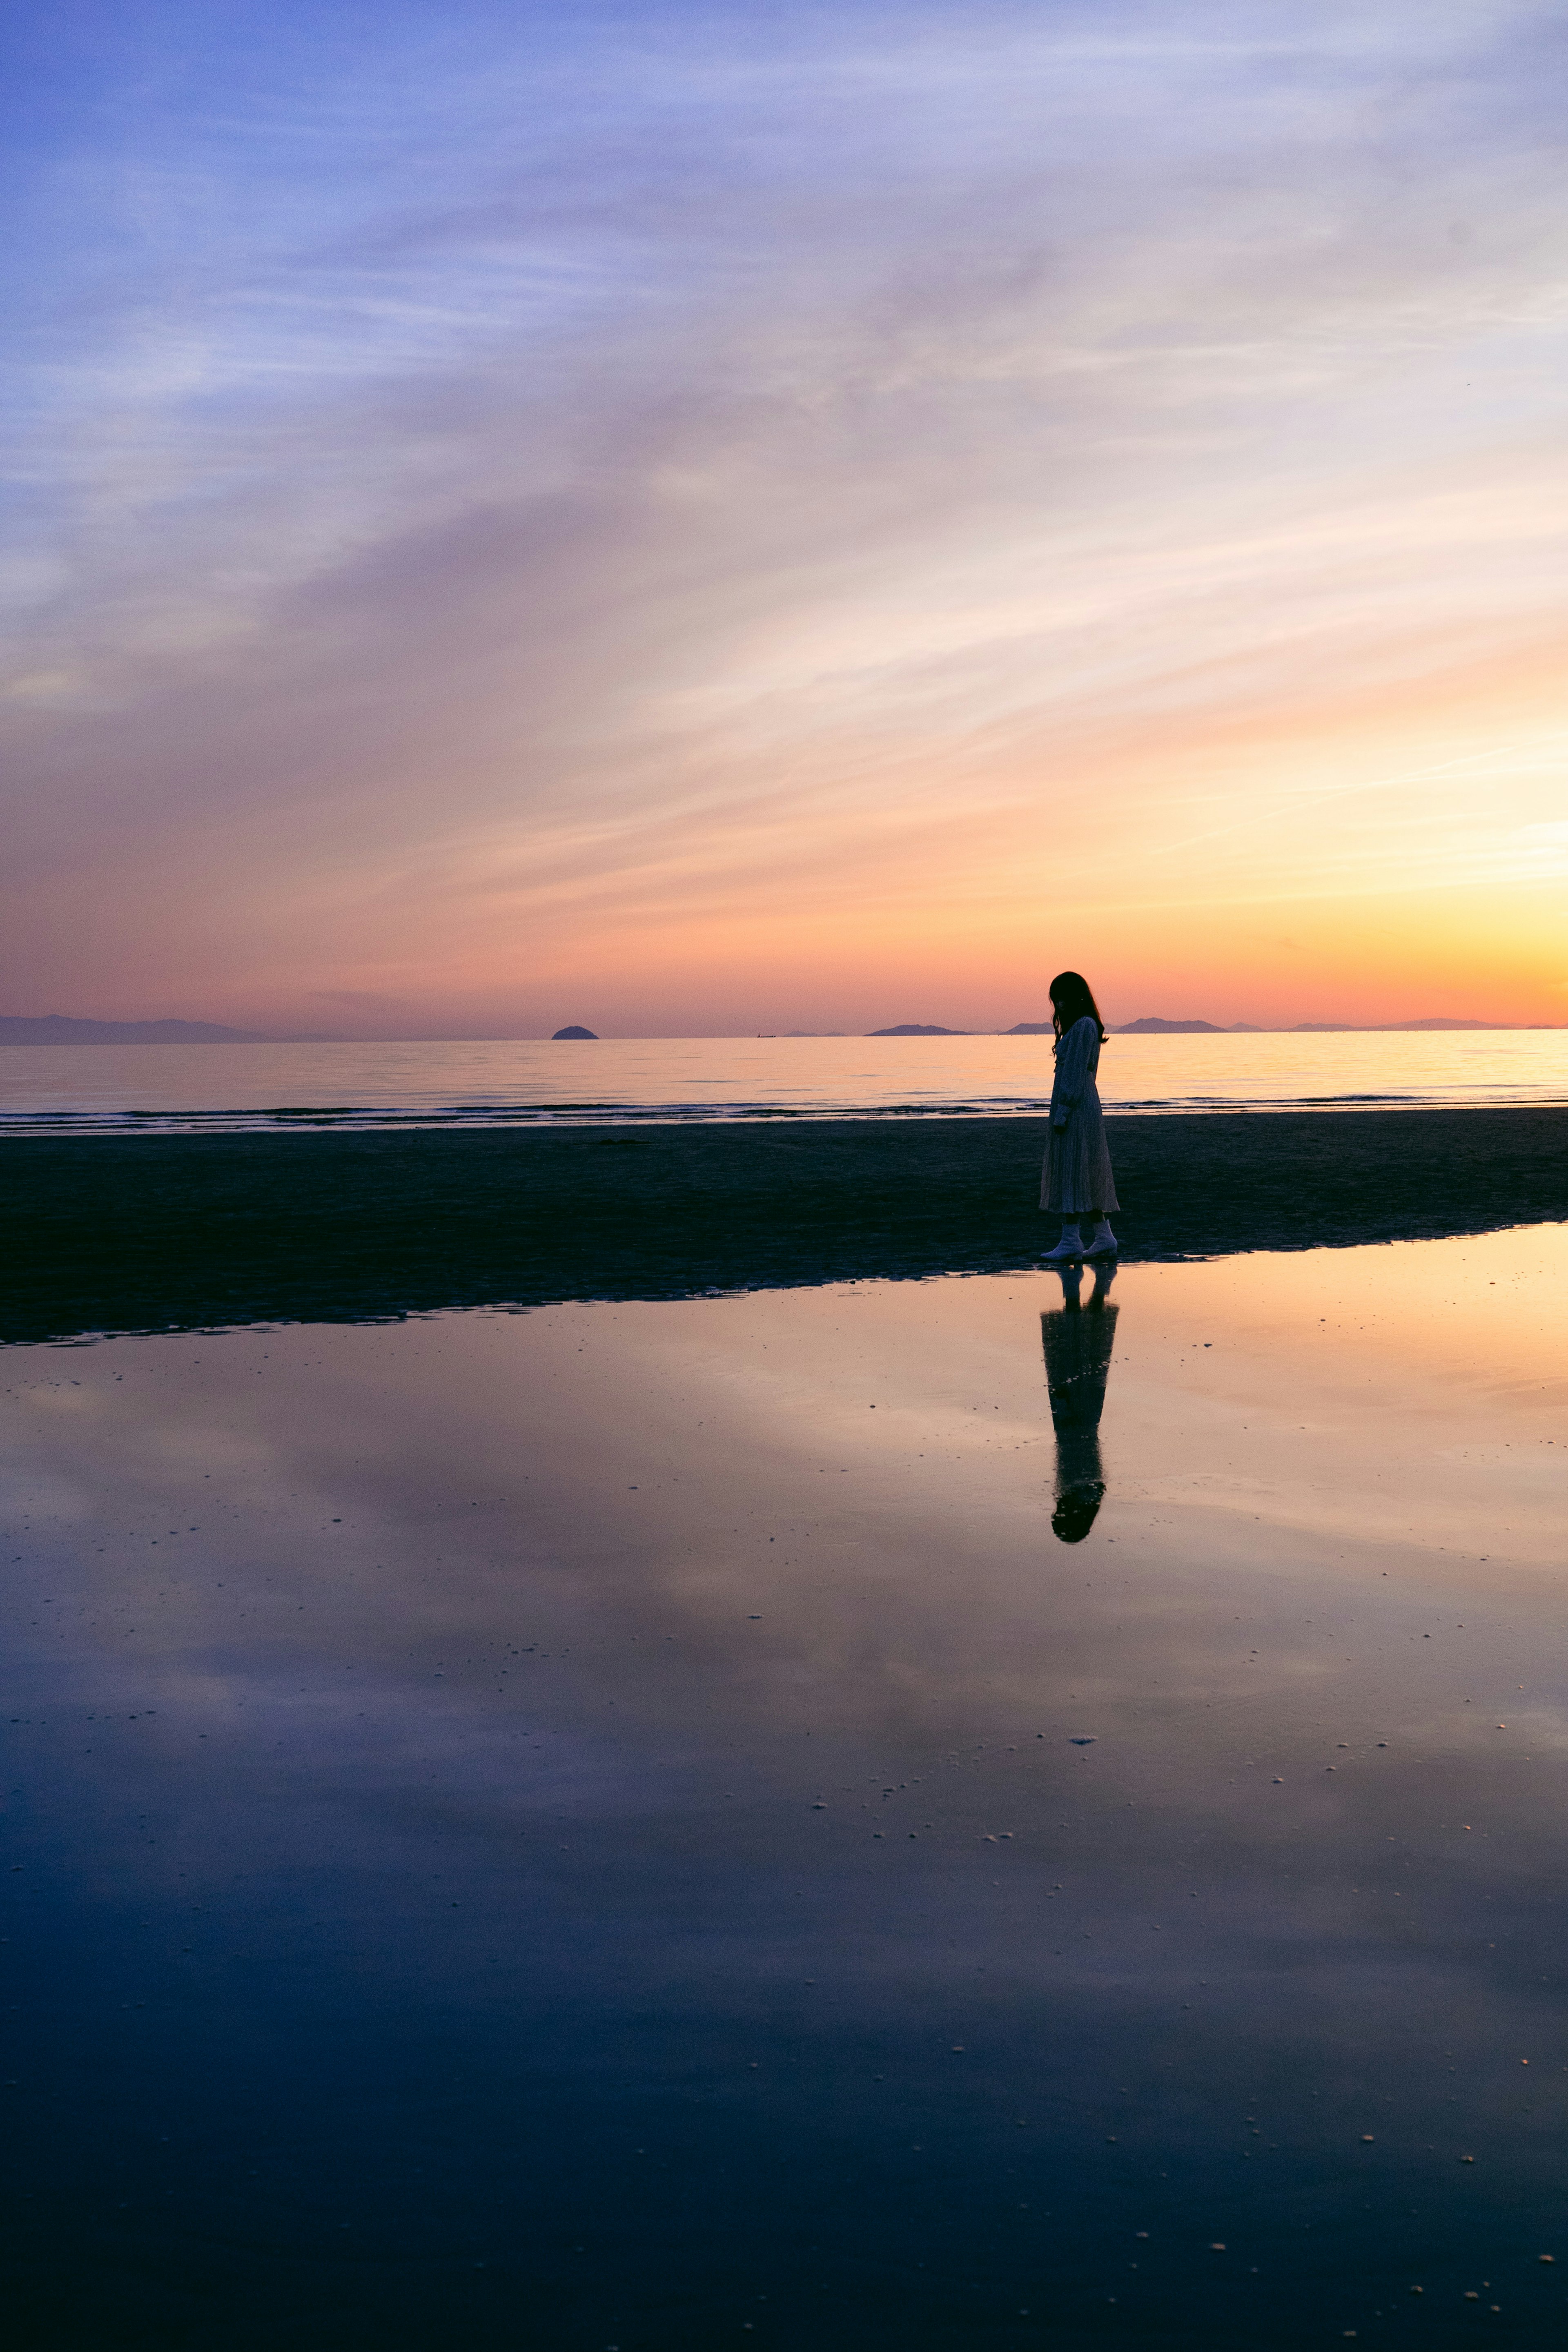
(1078, 1340)
(1077, 1173)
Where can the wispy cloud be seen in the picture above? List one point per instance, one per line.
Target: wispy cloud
(491, 487)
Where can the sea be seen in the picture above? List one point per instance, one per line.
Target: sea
(242, 1088)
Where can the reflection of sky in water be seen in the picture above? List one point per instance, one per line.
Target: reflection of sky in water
(608, 1780)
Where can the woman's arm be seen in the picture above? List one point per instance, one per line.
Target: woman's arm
(1071, 1069)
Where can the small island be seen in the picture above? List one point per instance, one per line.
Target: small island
(917, 1029)
(573, 1031)
(1154, 1025)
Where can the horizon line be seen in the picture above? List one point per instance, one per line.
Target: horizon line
(233, 1035)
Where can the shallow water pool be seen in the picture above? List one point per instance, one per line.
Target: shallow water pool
(628, 1826)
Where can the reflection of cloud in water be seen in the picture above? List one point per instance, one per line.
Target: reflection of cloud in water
(1078, 1337)
(571, 1686)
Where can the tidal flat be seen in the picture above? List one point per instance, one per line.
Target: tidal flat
(625, 1825)
(144, 1232)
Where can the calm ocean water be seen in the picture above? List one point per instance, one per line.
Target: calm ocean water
(111, 1089)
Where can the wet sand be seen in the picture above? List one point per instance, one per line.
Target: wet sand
(149, 1233)
(625, 1825)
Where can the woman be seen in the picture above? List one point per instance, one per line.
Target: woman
(1077, 1174)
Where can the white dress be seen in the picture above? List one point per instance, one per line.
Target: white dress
(1077, 1172)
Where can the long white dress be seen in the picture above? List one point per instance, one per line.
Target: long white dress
(1077, 1172)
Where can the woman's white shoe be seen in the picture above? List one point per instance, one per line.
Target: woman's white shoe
(1066, 1249)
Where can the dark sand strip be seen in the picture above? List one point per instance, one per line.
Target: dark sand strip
(143, 1234)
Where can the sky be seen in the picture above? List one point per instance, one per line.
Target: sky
(697, 520)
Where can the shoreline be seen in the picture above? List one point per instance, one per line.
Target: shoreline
(139, 1233)
(95, 1126)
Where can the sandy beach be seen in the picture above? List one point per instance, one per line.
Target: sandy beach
(149, 1233)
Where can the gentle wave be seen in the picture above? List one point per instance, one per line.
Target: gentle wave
(372, 1120)
(380, 1088)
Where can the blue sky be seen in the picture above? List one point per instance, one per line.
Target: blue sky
(752, 511)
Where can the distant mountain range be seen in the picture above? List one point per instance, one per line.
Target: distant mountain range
(58, 1029)
(1154, 1025)
(1437, 1022)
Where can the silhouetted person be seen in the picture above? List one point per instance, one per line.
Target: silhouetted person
(1078, 1339)
(1077, 1171)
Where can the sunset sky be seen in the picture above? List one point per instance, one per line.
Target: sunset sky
(708, 519)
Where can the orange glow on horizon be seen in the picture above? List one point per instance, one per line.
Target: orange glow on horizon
(1131, 537)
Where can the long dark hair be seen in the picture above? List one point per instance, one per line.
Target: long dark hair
(1071, 999)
